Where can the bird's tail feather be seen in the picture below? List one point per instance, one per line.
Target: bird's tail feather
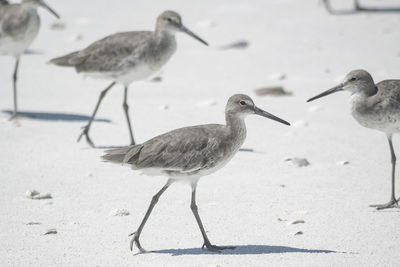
(65, 61)
(122, 155)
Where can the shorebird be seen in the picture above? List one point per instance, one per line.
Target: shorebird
(187, 154)
(19, 26)
(374, 106)
(127, 57)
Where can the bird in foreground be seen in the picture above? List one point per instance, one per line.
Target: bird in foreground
(374, 106)
(127, 57)
(187, 154)
(19, 26)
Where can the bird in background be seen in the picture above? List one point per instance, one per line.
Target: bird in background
(187, 154)
(374, 106)
(127, 57)
(19, 26)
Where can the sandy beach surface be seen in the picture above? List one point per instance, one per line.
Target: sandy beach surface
(253, 202)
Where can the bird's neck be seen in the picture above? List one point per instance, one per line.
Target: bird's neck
(237, 128)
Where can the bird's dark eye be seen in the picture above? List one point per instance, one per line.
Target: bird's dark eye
(353, 79)
(242, 103)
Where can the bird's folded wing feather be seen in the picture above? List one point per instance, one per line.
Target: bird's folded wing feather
(186, 149)
(112, 52)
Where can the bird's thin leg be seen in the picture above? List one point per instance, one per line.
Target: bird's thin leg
(393, 202)
(154, 200)
(357, 5)
(15, 78)
(327, 5)
(207, 242)
(85, 131)
(126, 110)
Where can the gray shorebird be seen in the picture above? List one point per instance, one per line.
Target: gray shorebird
(374, 106)
(127, 57)
(187, 154)
(19, 26)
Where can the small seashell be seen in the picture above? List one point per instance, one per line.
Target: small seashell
(241, 44)
(296, 222)
(272, 91)
(31, 193)
(298, 162)
(343, 162)
(52, 231)
(277, 76)
(156, 79)
(300, 212)
(57, 26)
(207, 23)
(163, 107)
(33, 223)
(298, 124)
(119, 212)
(281, 220)
(314, 108)
(42, 196)
(207, 103)
(299, 233)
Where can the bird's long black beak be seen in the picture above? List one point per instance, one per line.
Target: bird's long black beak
(328, 92)
(190, 33)
(46, 6)
(263, 113)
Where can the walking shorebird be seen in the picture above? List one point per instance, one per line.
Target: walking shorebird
(19, 26)
(187, 154)
(374, 106)
(127, 57)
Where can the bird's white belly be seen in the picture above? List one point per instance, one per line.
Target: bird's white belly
(16, 45)
(388, 123)
(140, 72)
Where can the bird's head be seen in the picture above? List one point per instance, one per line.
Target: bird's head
(242, 105)
(357, 81)
(171, 22)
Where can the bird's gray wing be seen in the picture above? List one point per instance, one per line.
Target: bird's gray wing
(112, 52)
(186, 149)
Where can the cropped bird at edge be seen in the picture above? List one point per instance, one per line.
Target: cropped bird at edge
(19, 26)
(374, 106)
(187, 154)
(127, 57)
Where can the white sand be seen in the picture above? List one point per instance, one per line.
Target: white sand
(250, 201)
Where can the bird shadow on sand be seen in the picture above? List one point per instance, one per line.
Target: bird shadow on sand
(244, 250)
(54, 116)
(365, 10)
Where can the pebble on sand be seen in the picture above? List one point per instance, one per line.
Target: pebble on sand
(52, 231)
(277, 76)
(299, 233)
(207, 103)
(240, 44)
(119, 212)
(33, 223)
(298, 162)
(296, 222)
(343, 162)
(33, 194)
(272, 91)
(57, 26)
